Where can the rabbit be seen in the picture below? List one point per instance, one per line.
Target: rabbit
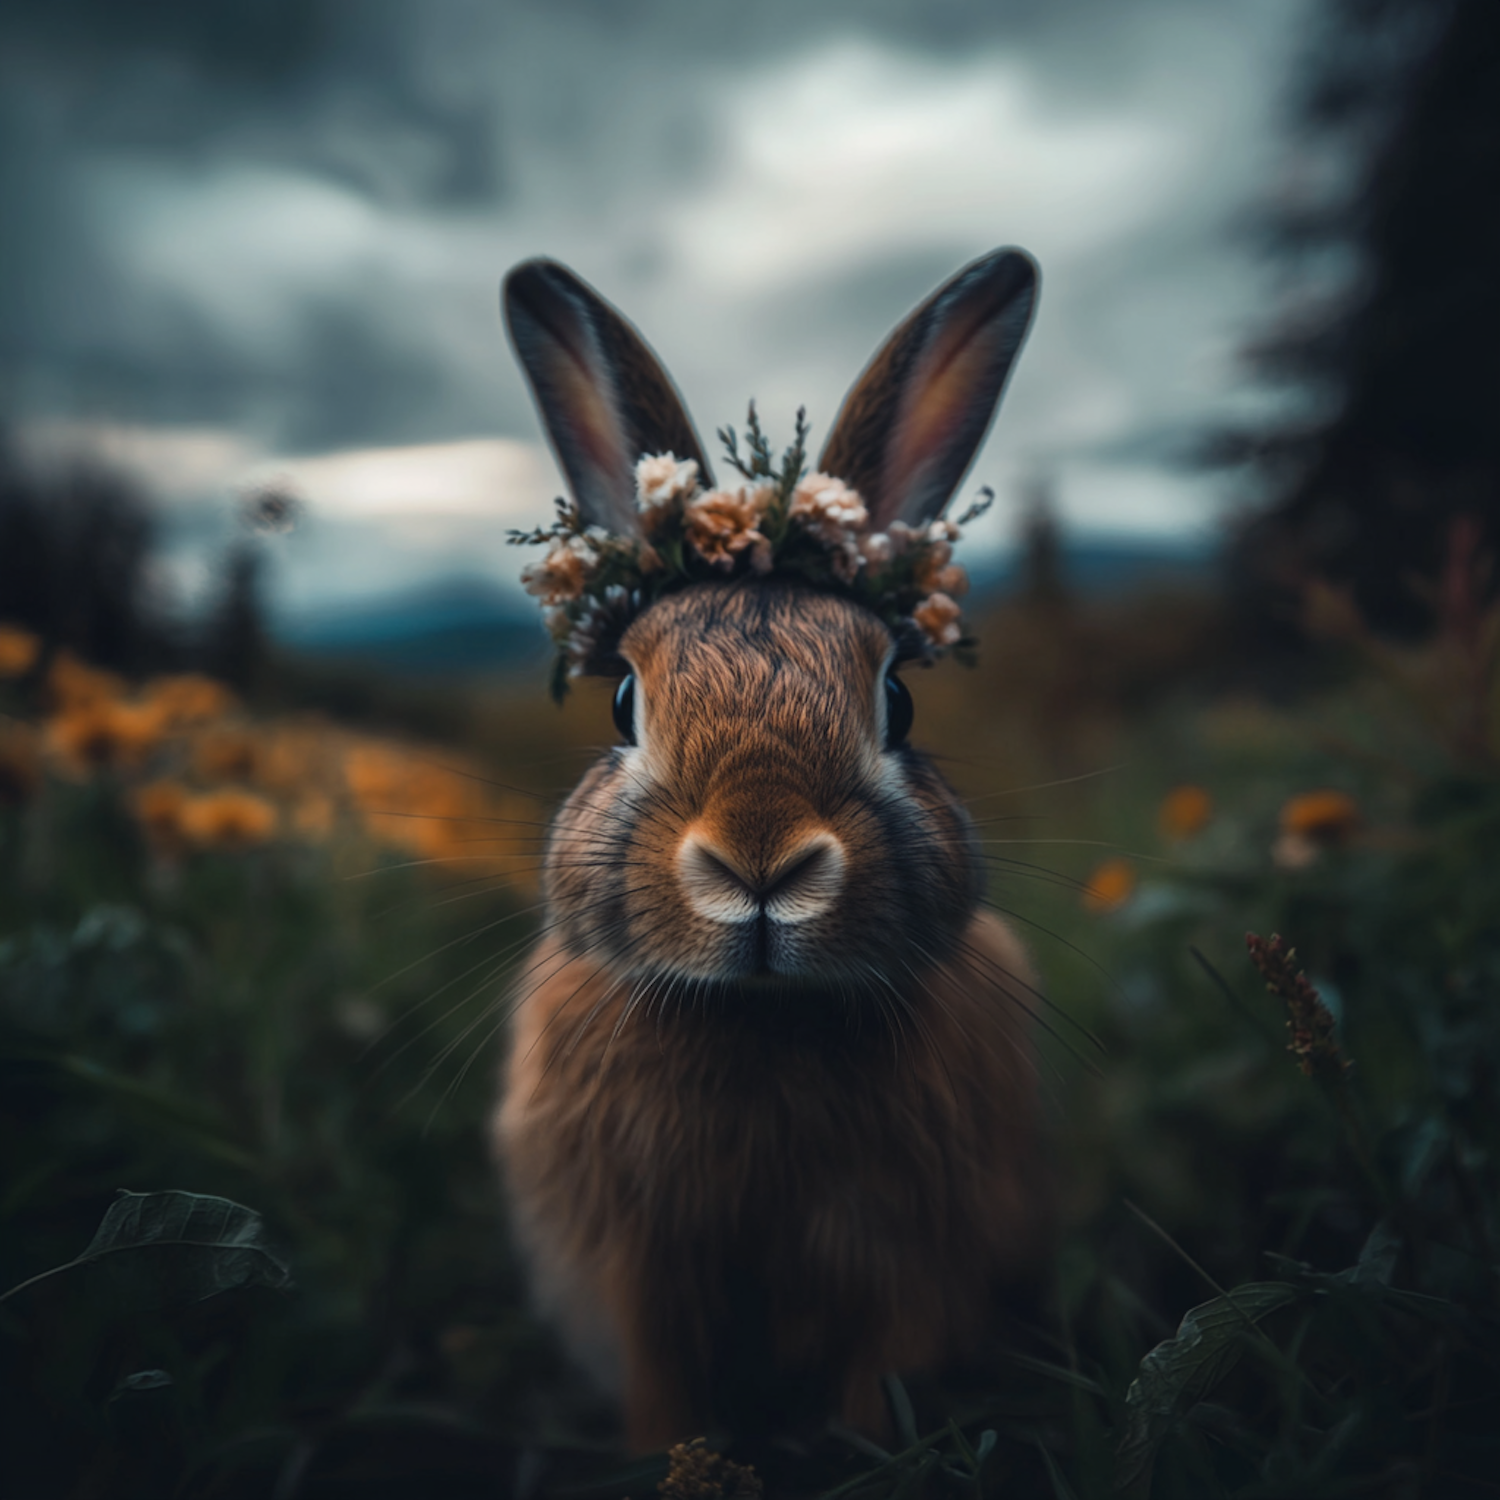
(769, 1122)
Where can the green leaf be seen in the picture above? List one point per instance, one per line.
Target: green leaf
(172, 1249)
(1378, 1259)
(901, 1410)
(1055, 1372)
(1061, 1489)
(1182, 1371)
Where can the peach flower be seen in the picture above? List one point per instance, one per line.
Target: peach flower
(938, 616)
(938, 574)
(723, 523)
(563, 574)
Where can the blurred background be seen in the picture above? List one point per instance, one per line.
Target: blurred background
(275, 750)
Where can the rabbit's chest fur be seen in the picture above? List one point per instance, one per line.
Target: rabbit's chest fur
(740, 1196)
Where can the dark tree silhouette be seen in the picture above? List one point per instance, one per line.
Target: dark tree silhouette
(235, 642)
(75, 565)
(1401, 360)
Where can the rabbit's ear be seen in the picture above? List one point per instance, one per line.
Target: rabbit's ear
(603, 395)
(912, 423)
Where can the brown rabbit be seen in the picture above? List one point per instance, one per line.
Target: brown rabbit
(769, 1123)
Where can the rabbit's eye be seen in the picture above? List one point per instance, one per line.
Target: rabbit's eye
(625, 708)
(899, 710)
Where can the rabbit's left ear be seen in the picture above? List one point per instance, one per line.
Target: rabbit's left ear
(915, 418)
(603, 395)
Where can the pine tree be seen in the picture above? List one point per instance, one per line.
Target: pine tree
(1403, 365)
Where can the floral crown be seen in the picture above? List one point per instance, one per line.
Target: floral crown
(781, 519)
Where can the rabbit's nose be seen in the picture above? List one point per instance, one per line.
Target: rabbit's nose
(801, 884)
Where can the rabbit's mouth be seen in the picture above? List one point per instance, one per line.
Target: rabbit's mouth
(790, 1008)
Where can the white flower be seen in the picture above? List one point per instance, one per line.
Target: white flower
(877, 547)
(828, 508)
(902, 536)
(942, 531)
(661, 480)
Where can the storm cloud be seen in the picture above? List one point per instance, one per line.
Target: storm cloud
(284, 224)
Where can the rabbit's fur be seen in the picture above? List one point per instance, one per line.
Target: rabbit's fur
(769, 1119)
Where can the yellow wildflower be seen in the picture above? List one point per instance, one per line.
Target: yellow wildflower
(696, 1472)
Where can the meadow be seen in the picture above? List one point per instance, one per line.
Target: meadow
(253, 961)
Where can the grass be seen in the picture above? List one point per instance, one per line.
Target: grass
(1268, 1283)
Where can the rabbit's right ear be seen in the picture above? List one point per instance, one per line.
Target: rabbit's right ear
(603, 395)
(917, 415)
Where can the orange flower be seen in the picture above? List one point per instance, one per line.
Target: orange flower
(231, 819)
(375, 775)
(20, 771)
(291, 759)
(1184, 811)
(188, 698)
(313, 817)
(938, 616)
(158, 809)
(225, 754)
(1110, 886)
(1325, 816)
(443, 814)
(102, 733)
(72, 684)
(1311, 823)
(18, 651)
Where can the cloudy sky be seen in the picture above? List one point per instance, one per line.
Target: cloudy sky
(262, 239)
